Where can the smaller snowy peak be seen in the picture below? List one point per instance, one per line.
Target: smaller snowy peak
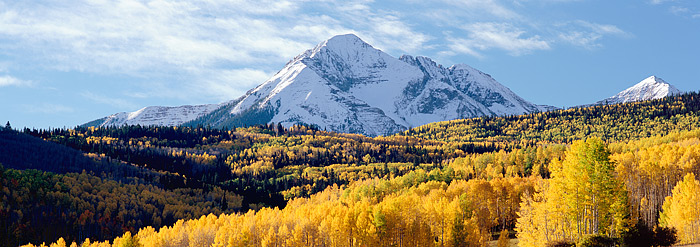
(652, 87)
(156, 115)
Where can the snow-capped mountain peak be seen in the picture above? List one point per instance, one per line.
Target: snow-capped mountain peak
(348, 45)
(652, 87)
(344, 84)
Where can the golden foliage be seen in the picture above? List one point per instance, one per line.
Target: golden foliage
(681, 210)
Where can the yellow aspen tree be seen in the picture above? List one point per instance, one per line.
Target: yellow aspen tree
(126, 240)
(583, 197)
(596, 199)
(681, 210)
(60, 243)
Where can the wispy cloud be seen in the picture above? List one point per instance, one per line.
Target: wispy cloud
(679, 7)
(684, 11)
(216, 50)
(587, 34)
(504, 36)
(660, 1)
(490, 8)
(514, 30)
(678, 10)
(386, 30)
(188, 43)
(6, 81)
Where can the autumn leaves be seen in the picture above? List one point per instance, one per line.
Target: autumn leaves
(582, 198)
(681, 210)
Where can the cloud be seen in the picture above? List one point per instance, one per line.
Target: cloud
(588, 35)
(207, 50)
(586, 40)
(138, 37)
(601, 28)
(514, 30)
(684, 12)
(7, 81)
(135, 36)
(504, 36)
(384, 29)
(189, 44)
(491, 8)
(678, 10)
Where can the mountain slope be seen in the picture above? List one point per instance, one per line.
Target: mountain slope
(612, 123)
(156, 115)
(346, 85)
(650, 88)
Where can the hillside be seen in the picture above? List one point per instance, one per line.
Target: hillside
(614, 122)
(301, 181)
(443, 208)
(50, 190)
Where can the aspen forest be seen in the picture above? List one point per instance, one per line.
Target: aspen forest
(603, 175)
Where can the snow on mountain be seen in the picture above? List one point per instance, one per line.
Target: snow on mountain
(346, 85)
(156, 115)
(650, 88)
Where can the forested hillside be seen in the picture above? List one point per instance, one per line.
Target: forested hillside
(619, 122)
(438, 208)
(615, 173)
(49, 190)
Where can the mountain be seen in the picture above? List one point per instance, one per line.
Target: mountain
(346, 85)
(650, 88)
(156, 115)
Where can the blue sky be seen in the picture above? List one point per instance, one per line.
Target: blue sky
(63, 63)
